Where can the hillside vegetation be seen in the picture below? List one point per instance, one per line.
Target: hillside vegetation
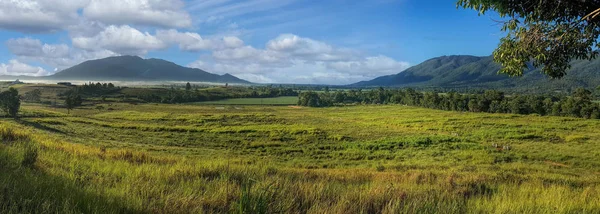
(258, 159)
(471, 72)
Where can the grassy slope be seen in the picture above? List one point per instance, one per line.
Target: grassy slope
(391, 159)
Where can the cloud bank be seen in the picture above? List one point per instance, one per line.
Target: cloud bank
(102, 28)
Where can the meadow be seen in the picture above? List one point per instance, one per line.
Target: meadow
(283, 100)
(168, 158)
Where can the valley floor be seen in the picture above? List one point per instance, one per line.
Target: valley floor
(282, 159)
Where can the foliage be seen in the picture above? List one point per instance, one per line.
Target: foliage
(212, 94)
(548, 33)
(578, 105)
(312, 99)
(73, 100)
(33, 96)
(466, 74)
(10, 102)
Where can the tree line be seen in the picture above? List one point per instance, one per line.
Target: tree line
(579, 104)
(186, 94)
(174, 95)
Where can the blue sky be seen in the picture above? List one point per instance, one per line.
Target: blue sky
(279, 41)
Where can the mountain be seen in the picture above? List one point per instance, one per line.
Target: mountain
(482, 72)
(134, 68)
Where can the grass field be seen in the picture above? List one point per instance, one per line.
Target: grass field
(270, 159)
(255, 101)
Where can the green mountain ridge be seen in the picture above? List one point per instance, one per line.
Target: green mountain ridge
(462, 71)
(134, 68)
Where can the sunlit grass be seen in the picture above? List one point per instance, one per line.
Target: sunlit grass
(363, 159)
(289, 100)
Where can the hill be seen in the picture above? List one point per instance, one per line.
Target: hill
(455, 72)
(134, 68)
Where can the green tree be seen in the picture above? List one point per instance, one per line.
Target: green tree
(188, 86)
(10, 102)
(72, 101)
(312, 99)
(548, 33)
(33, 96)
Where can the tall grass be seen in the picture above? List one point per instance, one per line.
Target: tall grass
(391, 163)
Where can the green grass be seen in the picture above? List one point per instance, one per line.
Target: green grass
(291, 100)
(269, 159)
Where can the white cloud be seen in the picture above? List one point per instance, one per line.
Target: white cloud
(42, 16)
(309, 49)
(38, 15)
(32, 47)
(232, 42)
(161, 13)
(293, 59)
(85, 28)
(370, 66)
(58, 56)
(255, 78)
(187, 41)
(120, 39)
(298, 45)
(14, 67)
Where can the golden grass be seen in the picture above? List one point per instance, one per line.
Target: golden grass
(383, 159)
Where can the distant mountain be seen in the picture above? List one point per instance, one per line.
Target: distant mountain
(134, 68)
(482, 72)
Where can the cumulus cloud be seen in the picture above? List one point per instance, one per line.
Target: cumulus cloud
(102, 28)
(293, 59)
(161, 13)
(58, 56)
(297, 45)
(38, 15)
(120, 39)
(14, 67)
(189, 41)
(232, 42)
(42, 16)
(186, 40)
(32, 47)
(372, 66)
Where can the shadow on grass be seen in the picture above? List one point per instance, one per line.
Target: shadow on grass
(39, 126)
(24, 190)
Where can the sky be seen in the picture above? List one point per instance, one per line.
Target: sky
(263, 41)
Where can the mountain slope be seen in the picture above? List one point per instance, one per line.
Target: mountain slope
(482, 72)
(134, 68)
